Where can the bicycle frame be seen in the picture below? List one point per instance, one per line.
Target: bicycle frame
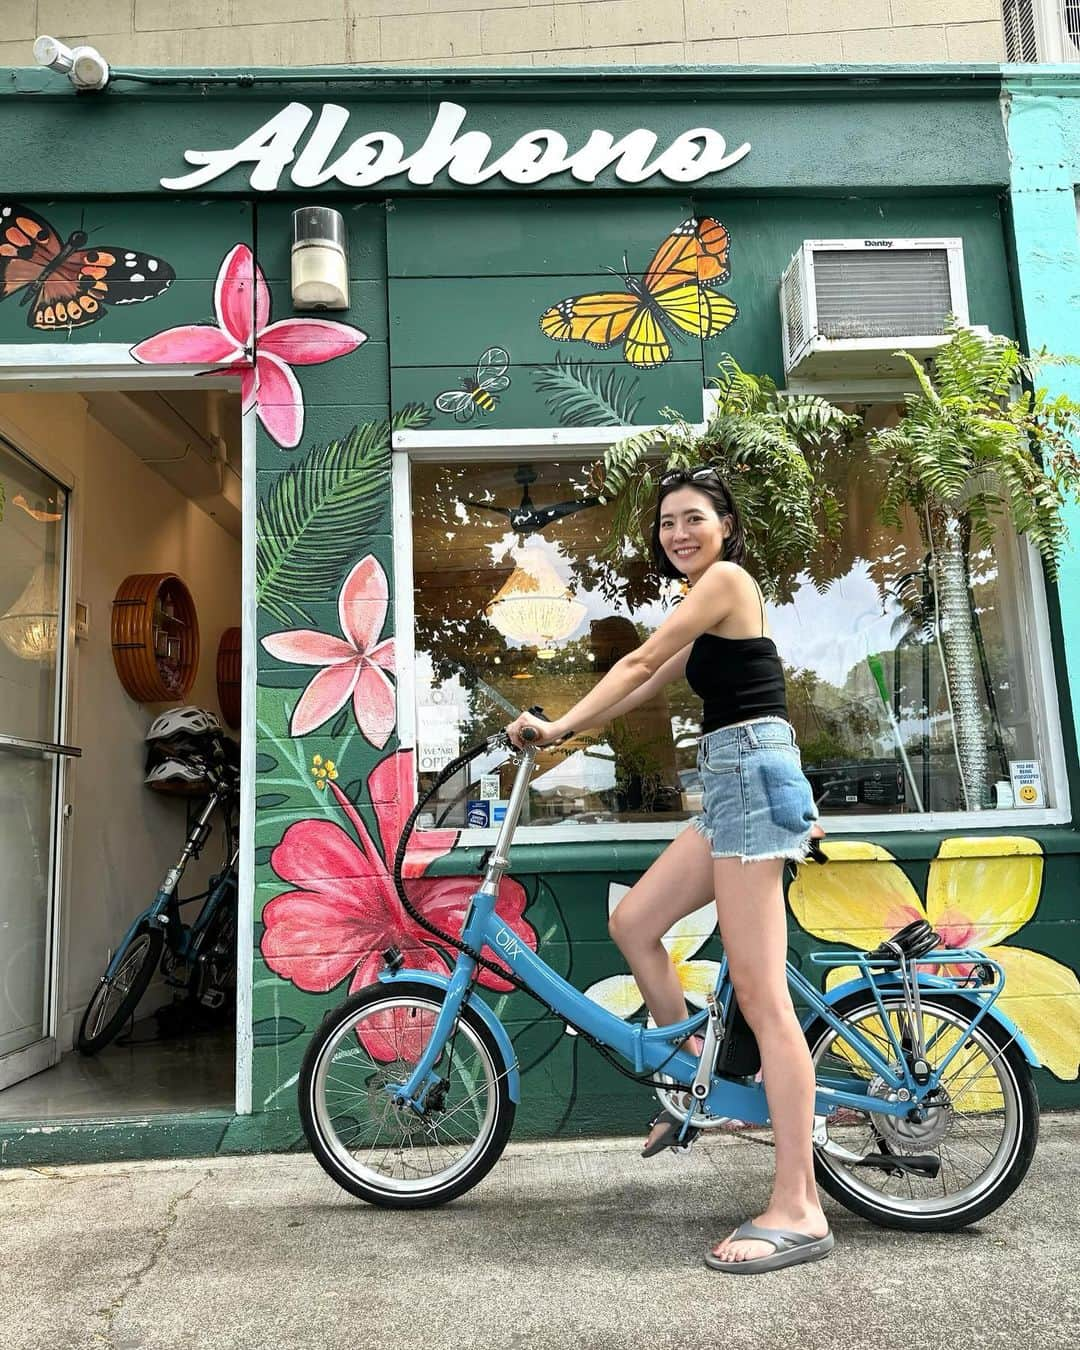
(659, 1049)
(164, 909)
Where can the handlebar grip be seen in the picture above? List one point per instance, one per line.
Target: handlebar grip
(529, 734)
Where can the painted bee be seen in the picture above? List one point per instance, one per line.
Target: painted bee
(478, 394)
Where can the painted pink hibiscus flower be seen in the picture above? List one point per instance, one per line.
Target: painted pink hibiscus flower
(346, 912)
(245, 339)
(354, 668)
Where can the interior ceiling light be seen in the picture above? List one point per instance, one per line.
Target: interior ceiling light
(84, 66)
(28, 629)
(534, 607)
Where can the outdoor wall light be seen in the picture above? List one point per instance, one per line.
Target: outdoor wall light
(84, 66)
(320, 263)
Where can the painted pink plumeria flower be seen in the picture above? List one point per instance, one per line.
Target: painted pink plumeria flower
(244, 338)
(346, 912)
(352, 668)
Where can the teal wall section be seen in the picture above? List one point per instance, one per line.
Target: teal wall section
(436, 278)
(466, 275)
(1043, 127)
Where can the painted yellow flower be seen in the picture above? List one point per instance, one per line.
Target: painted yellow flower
(322, 770)
(620, 994)
(979, 892)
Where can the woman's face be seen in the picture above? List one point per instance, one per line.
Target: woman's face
(691, 533)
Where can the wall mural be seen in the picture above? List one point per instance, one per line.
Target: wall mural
(980, 891)
(478, 394)
(673, 299)
(70, 285)
(346, 912)
(355, 668)
(244, 339)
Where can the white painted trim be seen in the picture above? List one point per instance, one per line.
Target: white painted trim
(110, 365)
(466, 441)
(245, 882)
(32, 1059)
(663, 832)
(404, 600)
(99, 366)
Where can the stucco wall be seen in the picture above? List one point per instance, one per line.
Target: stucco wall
(125, 519)
(510, 32)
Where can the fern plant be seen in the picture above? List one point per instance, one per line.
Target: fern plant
(309, 524)
(772, 449)
(580, 394)
(973, 449)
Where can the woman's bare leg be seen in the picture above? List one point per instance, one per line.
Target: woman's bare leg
(753, 927)
(678, 882)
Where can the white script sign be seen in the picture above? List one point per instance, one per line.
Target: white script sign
(463, 155)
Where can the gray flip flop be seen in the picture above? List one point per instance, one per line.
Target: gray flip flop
(792, 1249)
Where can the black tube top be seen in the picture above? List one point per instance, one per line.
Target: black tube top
(737, 678)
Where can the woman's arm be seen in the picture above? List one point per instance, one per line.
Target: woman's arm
(673, 669)
(708, 603)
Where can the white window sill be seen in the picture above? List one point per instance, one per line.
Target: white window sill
(943, 822)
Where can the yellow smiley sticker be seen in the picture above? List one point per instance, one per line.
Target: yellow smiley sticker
(1028, 793)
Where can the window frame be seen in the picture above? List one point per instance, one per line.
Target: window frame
(468, 445)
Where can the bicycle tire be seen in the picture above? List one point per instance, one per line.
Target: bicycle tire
(1018, 1095)
(318, 1116)
(130, 981)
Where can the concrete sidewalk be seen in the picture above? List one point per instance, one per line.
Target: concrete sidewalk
(563, 1246)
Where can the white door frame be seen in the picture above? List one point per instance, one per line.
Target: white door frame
(38, 366)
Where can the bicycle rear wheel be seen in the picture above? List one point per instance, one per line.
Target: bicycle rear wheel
(115, 998)
(390, 1155)
(983, 1126)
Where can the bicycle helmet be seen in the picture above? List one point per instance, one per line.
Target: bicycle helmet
(179, 777)
(188, 721)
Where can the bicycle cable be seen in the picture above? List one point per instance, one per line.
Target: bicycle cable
(498, 741)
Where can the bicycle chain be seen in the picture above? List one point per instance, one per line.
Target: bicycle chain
(461, 946)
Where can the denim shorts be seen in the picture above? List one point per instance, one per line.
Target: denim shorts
(758, 803)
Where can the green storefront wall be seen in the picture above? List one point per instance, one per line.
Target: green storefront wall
(439, 273)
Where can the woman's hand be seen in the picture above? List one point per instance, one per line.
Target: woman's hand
(547, 733)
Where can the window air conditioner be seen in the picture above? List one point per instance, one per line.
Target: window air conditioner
(846, 305)
(1041, 30)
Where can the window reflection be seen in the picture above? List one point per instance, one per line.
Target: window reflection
(515, 609)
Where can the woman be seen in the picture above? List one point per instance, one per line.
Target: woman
(758, 812)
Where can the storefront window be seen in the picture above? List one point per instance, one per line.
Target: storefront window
(514, 609)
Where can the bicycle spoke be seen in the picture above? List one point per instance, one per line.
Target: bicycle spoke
(967, 1128)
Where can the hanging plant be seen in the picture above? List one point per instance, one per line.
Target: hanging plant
(973, 450)
(771, 449)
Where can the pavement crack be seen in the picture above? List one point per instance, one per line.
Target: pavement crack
(159, 1241)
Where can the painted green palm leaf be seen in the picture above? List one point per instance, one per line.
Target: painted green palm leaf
(583, 395)
(313, 518)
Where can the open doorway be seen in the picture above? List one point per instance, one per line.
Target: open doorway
(120, 601)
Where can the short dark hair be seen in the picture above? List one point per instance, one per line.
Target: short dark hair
(716, 491)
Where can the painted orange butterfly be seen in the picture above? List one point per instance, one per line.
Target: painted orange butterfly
(673, 298)
(69, 285)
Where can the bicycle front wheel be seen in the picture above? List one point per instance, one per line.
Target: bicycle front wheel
(389, 1155)
(982, 1125)
(115, 998)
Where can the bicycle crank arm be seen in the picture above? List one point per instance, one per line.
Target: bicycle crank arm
(915, 1164)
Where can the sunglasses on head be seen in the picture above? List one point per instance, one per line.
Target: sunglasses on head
(688, 476)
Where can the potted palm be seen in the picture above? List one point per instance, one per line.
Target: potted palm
(771, 448)
(978, 445)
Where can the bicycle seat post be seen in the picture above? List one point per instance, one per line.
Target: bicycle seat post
(499, 860)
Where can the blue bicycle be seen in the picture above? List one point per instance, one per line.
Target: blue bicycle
(199, 957)
(926, 1116)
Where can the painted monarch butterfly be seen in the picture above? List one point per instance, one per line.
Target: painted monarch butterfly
(673, 298)
(69, 285)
